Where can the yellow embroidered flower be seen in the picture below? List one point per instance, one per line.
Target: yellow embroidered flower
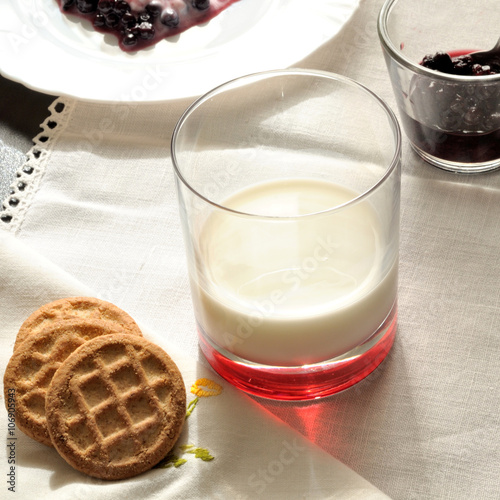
(205, 388)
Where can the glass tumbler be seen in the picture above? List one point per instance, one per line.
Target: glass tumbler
(288, 185)
(452, 121)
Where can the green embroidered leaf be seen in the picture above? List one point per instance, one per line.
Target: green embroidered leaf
(171, 460)
(202, 453)
(191, 406)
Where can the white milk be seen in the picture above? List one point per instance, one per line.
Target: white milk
(295, 290)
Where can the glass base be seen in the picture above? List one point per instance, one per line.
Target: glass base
(298, 383)
(458, 168)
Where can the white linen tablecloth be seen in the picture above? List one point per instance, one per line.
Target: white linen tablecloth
(230, 447)
(99, 204)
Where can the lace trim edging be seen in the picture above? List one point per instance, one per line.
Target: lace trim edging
(29, 175)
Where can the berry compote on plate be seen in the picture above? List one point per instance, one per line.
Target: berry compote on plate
(141, 23)
(455, 119)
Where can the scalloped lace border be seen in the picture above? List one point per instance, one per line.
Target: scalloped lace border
(30, 174)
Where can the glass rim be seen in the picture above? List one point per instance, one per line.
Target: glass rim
(396, 54)
(253, 77)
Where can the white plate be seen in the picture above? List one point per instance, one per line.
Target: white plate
(61, 55)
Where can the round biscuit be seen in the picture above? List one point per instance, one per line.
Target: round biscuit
(33, 364)
(116, 406)
(75, 308)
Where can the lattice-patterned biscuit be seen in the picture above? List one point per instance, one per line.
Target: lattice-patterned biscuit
(33, 364)
(116, 406)
(75, 308)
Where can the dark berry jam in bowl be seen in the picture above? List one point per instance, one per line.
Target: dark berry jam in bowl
(449, 105)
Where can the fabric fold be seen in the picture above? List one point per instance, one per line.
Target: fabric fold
(230, 447)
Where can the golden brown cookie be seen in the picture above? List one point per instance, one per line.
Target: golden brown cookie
(75, 308)
(116, 406)
(34, 362)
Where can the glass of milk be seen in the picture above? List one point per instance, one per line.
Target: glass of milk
(289, 188)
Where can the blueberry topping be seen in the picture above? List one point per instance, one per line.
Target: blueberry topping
(473, 116)
(86, 6)
(455, 106)
(138, 21)
(169, 17)
(121, 7)
(200, 4)
(13, 202)
(154, 8)
(459, 65)
(146, 31)
(462, 65)
(66, 4)
(129, 39)
(99, 20)
(106, 6)
(440, 61)
(112, 20)
(477, 69)
(128, 19)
